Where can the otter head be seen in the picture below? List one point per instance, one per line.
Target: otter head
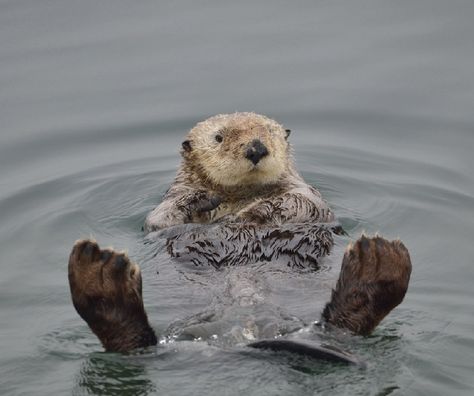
(106, 290)
(238, 149)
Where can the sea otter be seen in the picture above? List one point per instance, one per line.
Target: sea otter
(238, 167)
(237, 199)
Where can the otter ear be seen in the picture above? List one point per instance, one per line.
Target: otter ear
(186, 145)
(288, 131)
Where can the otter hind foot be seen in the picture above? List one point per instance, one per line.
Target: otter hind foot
(106, 290)
(373, 280)
(309, 349)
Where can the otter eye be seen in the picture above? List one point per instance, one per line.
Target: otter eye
(219, 138)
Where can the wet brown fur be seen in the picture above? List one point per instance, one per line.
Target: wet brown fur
(106, 290)
(373, 280)
(295, 245)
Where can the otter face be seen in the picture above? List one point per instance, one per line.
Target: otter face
(105, 285)
(238, 149)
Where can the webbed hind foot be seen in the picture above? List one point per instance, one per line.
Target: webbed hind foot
(373, 280)
(106, 290)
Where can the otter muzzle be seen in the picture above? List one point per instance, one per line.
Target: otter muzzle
(256, 150)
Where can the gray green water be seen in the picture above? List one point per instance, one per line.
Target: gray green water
(95, 98)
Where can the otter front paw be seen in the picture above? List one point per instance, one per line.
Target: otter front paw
(263, 212)
(204, 203)
(195, 207)
(373, 280)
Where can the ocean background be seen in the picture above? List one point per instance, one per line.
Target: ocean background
(95, 99)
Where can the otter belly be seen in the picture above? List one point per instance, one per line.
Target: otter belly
(232, 244)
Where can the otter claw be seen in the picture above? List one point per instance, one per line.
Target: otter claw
(208, 204)
(121, 263)
(87, 250)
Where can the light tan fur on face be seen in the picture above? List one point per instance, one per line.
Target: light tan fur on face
(224, 163)
(247, 174)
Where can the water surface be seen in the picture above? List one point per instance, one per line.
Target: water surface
(95, 99)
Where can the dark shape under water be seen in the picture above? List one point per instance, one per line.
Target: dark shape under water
(309, 349)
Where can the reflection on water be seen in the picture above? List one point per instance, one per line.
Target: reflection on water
(107, 374)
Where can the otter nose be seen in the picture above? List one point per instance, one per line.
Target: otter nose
(256, 151)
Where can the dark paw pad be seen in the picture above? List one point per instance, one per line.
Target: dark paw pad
(121, 263)
(86, 251)
(105, 255)
(206, 204)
